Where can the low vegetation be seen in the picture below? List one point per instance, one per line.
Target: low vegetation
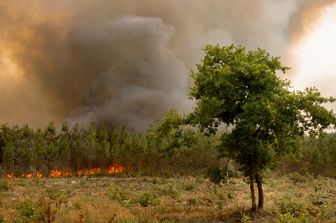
(141, 199)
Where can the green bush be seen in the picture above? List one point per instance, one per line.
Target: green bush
(148, 198)
(169, 189)
(54, 193)
(290, 211)
(289, 218)
(29, 212)
(298, 178)
(155, 180)
(117, 193)
(4, 186)
(189, 187)
(218, 175)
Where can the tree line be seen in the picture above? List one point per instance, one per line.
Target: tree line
(74, 148)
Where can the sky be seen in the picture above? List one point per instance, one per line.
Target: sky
(126, 62)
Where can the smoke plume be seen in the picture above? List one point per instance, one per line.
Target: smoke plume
(125, 62)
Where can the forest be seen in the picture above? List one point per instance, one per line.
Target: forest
(26, 152)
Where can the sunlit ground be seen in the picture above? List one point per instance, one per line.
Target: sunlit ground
(315, 56)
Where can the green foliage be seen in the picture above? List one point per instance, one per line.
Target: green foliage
(318, 157)
(171, 133)
(148, 198)
(152, 152)
(29, 212)
(190, 187)
(169, 189)
(154, 181)
(4, 186)
(241, 88)
(218, 175)
(267, 119)
(298, 178)
(246, 219)
(54, 193)
(290, 211)
(215, 175)
(118, 193)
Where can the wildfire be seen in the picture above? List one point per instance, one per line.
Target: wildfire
(56, 173)
(39, 174)
(10, 175)
(27, 175)
(67, 173)
(110, 170)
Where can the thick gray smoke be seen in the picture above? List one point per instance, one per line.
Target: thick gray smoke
(124, 62)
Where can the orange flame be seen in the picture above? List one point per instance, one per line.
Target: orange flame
(39, 174)
(10, 175)
(113, 169)
(110, 170)
(27, 175)
(56, 173)
(67, 173)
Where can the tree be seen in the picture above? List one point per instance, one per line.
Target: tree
(172, 135)
(7, 147)
(39, 149)
(26, 143)
(241, 89)
(51, 151)
(64, 144)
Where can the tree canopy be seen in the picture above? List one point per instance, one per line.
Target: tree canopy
(242, 89)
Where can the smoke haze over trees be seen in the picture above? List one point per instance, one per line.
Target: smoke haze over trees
(125, 62)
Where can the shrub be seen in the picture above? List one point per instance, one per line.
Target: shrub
(148, 198)
(4, 186)
(29, 212)
(169, 189)
(155, 180)
(218, 175)
(245, 218)
(298, 178)
(117, 193)
(189, 187)
(290, 211)
(215, 175)
(318, 199)
(54, 193)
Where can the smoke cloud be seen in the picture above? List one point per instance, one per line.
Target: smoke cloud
(306, 15)
(125, 62)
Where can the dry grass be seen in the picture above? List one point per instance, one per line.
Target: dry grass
(103, 199)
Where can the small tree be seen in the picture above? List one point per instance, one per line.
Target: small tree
(241, 89)
(64, 144)
(51, 151)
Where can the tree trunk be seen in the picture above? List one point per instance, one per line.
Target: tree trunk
(253, 197)
(260, 192)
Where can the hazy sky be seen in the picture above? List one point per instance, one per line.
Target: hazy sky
(125, 62)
